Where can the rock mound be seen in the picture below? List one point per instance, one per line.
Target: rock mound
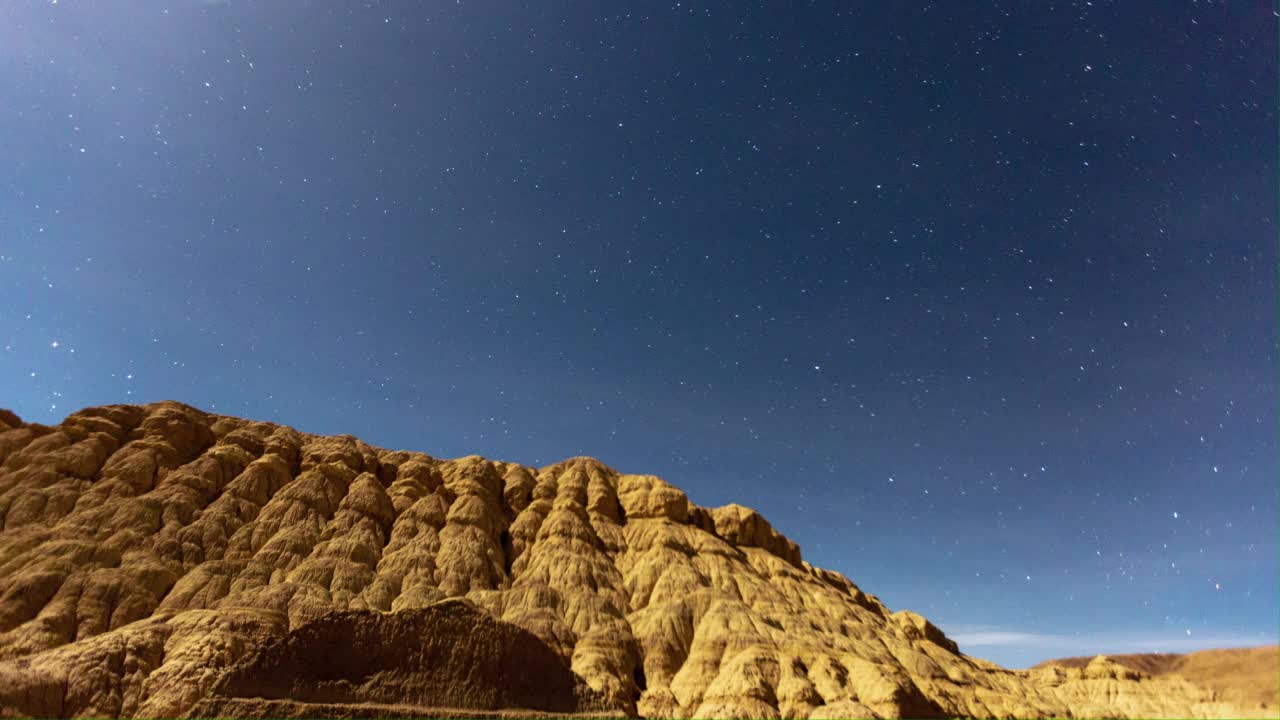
(158, 561)
(449, 655)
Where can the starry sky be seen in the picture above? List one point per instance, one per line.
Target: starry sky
(975, 301)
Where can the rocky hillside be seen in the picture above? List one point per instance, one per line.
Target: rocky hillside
(161, 561)
(1248, 678)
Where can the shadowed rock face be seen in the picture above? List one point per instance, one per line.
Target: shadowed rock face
(449, 655)
(160, 561)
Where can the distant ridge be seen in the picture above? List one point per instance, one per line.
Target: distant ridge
(1248, 678)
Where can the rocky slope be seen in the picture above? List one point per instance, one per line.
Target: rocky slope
(161, 561)
(1247, 678)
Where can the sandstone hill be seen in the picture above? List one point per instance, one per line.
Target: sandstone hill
(1247, 678)
(160, 561)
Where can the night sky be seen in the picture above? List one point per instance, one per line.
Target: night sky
(975, 301)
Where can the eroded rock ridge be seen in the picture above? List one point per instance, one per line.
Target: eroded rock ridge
(155, 561)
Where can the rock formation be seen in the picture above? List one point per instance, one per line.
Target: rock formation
(1246, 678)
(161, 561)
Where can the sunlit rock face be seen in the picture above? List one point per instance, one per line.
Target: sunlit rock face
(161, 561)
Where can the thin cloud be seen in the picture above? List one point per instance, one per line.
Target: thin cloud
(1004, 638)
(1114, 643)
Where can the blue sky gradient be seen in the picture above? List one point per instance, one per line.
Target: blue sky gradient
(975, 302)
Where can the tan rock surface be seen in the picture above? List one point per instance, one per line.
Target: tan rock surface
(161, 561)
(1248, 679)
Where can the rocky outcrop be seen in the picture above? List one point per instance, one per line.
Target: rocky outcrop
(161, 561)
(1246, 679)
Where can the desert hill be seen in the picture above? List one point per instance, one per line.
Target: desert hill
(160, 561)
(1248, 678)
